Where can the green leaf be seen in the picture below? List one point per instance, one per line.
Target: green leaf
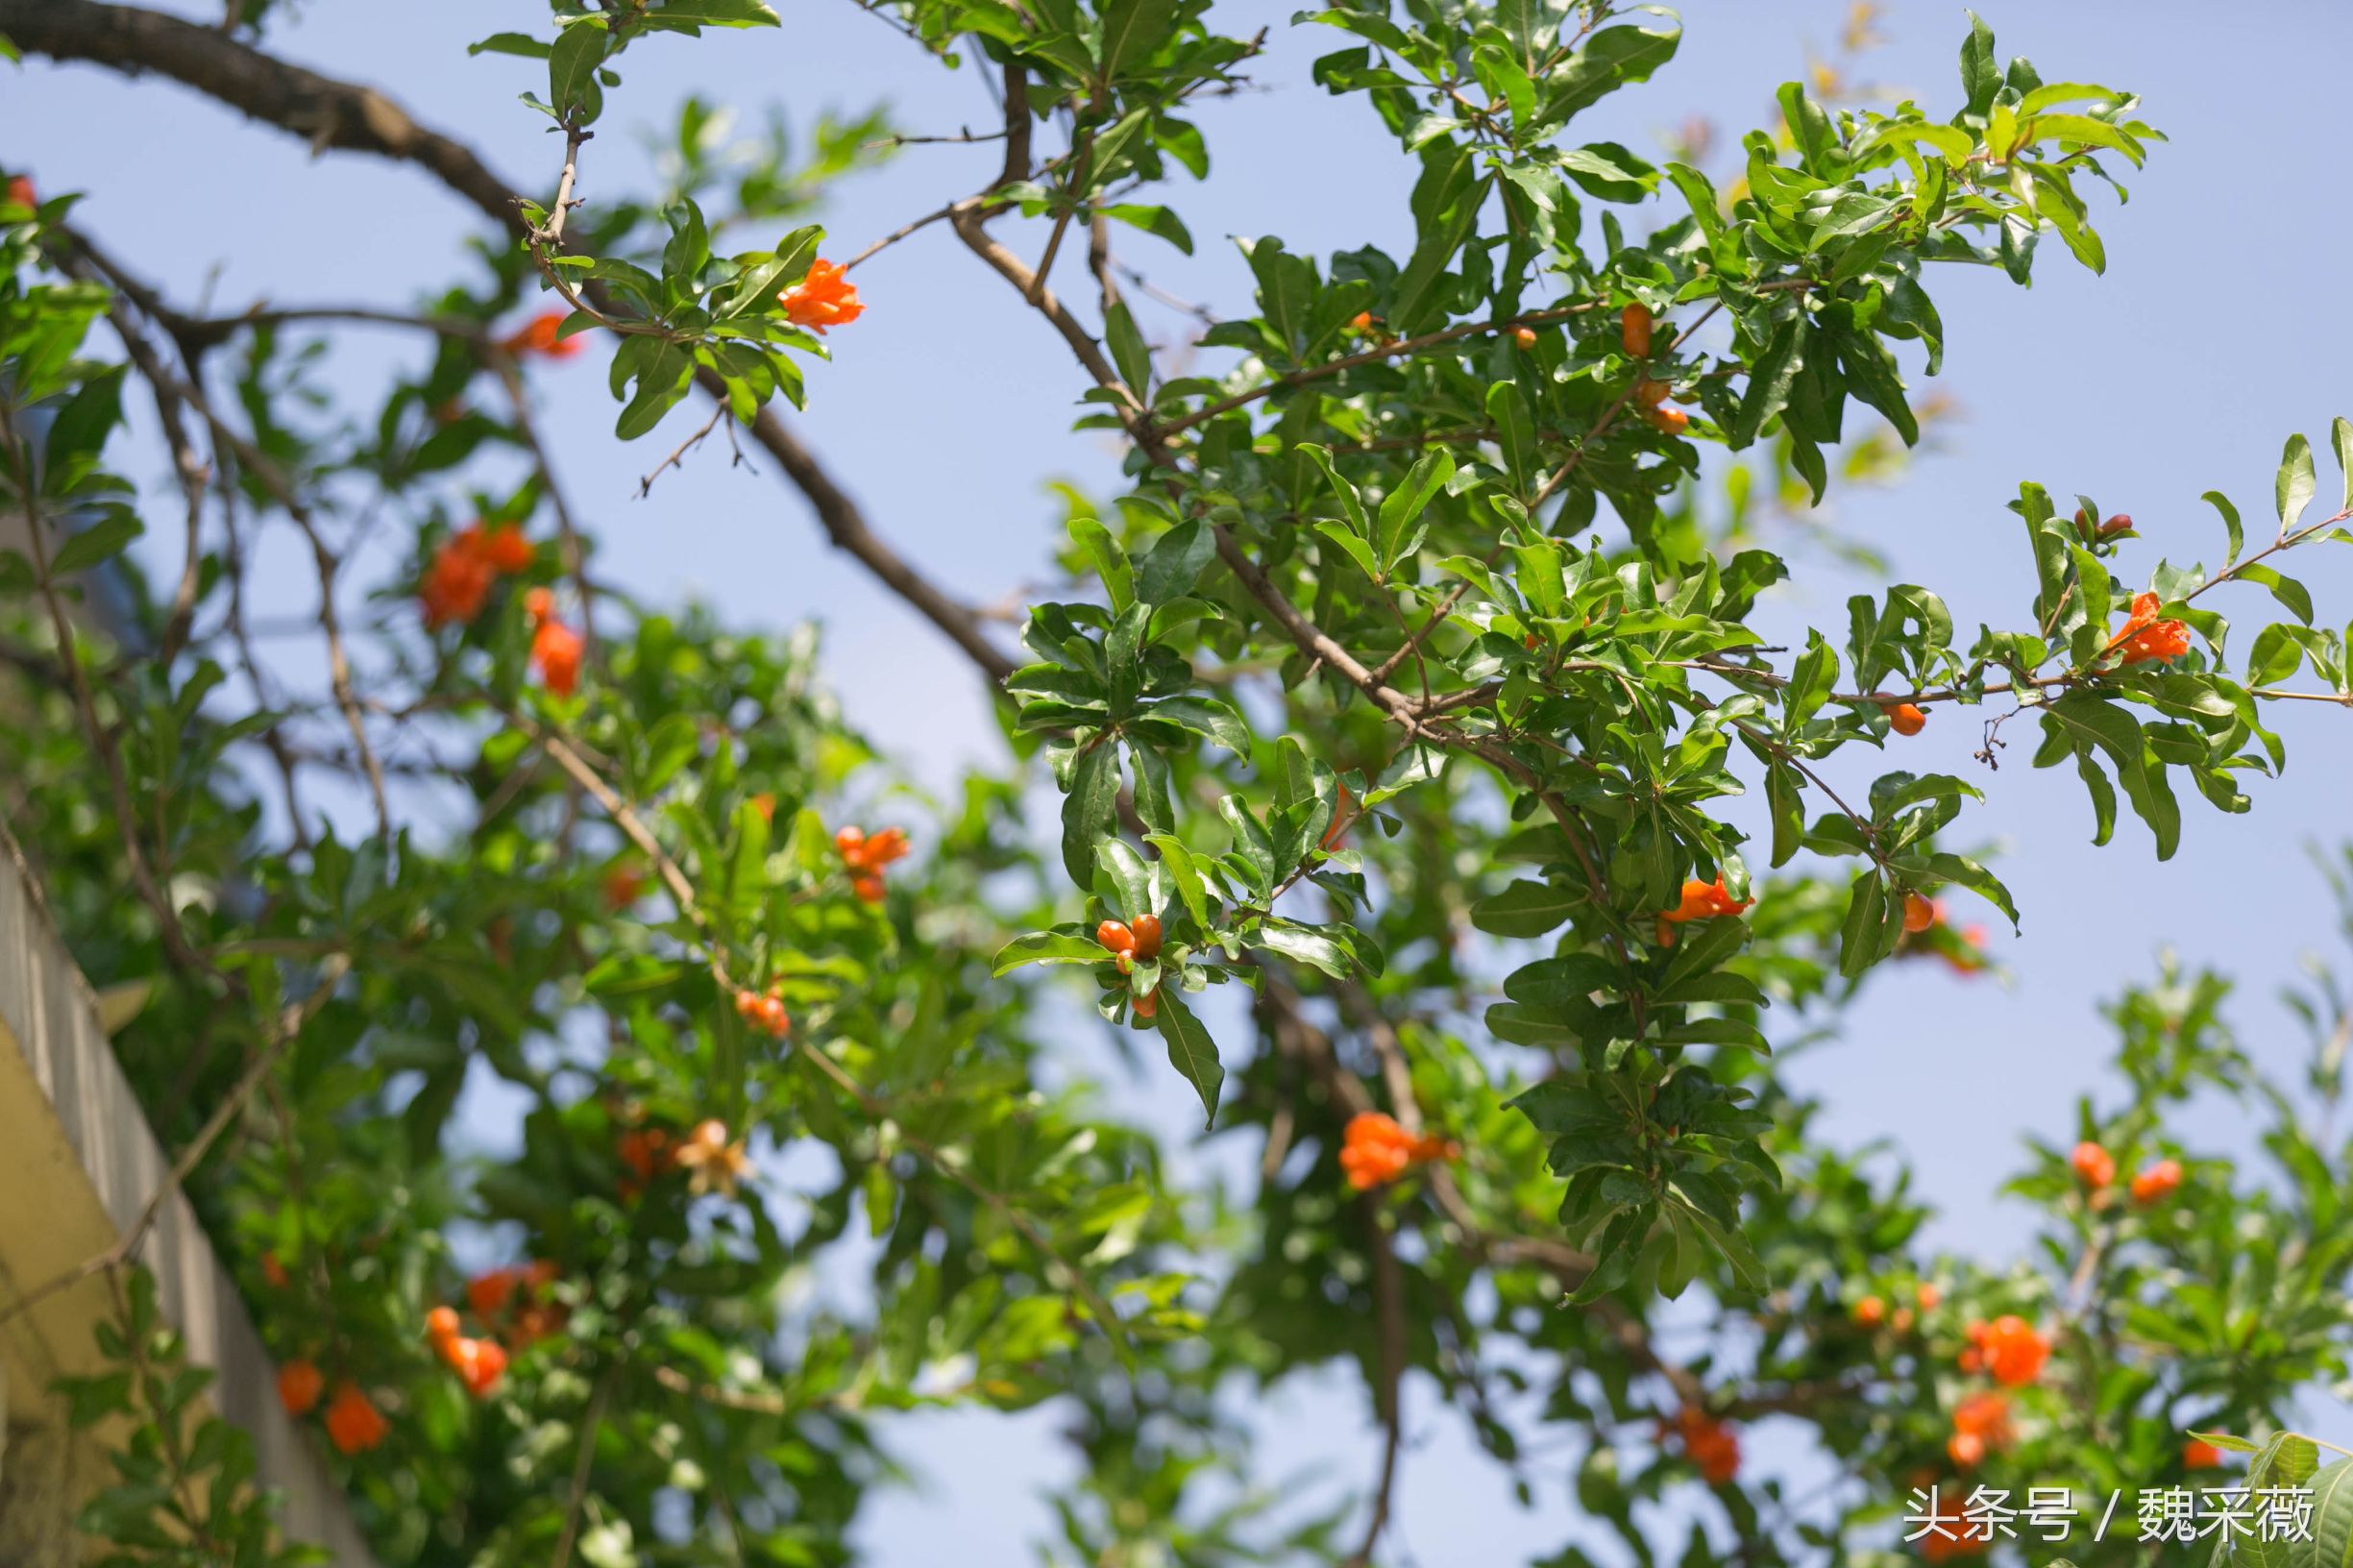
(1875, 920)
(2294, 484)
(79, 432)
(2341, 437)
(1207, 716)
(1351, 544)
(572, 70)
(1748, 1273)
(100, 540)
(2094, 720)
(663, 372)
(1526, 909)
(1133, 30)
(1352, 502)
(1186, 872)
(628, 974)
(1129, 352)
(1251, 841)
(1190, 1050)
(2330, 1541)
(1404, 506)
(1306, 947)
(1611, 59)
(1609, 171)
(1111, 564)
(510, 44)
(1127, 875)
(1514, 432)
(1414, 764)
(1770, 379)
(2087, 131)
(759, 284)
(2289, 1460)
(2291, 594)
(1091, 811)
(1980, 76)
(1614, 1256)
(1160, 222)
(1872, 375)
(1047, 947)
(716, 14)
(1962, 871)
(674, 740)
(2230, 523)
(1173, 564)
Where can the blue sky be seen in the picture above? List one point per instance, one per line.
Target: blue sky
(2182, 370)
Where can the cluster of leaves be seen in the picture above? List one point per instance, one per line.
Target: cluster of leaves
(1359, 664)
(183, 1492)
(1415, 523)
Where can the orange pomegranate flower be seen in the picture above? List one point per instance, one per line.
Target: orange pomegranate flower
(2198, 1454)
(299, 1387)
(865, 856)
(353, 1424)
(1980, 1425)
(489, 1295)
(2010, 1350)
(451, 1348)
(646, 1151)
(716, 1163)
(2156, 1183)
(507, 549)
(1705, 901)
(479, 1364)
(466, 566)
(1971, 959)
(2093, 1166)
(455, 585)
(824, 297)
(1953, 1533)
(540, 1315)
(555, 648)
(1701, 901)
(1709, 1444)
(537, 336)
(273, 1271)
(1375, 1149)
(2147, 638)
(20, 192)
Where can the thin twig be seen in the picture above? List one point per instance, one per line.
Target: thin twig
(575, 1501)
(1372, 355)
(895, 235)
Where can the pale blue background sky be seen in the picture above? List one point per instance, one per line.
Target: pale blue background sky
(2215, 332)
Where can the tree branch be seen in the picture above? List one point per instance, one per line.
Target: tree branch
(337, 115)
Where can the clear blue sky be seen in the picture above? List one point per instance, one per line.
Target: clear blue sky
(2183, 369)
